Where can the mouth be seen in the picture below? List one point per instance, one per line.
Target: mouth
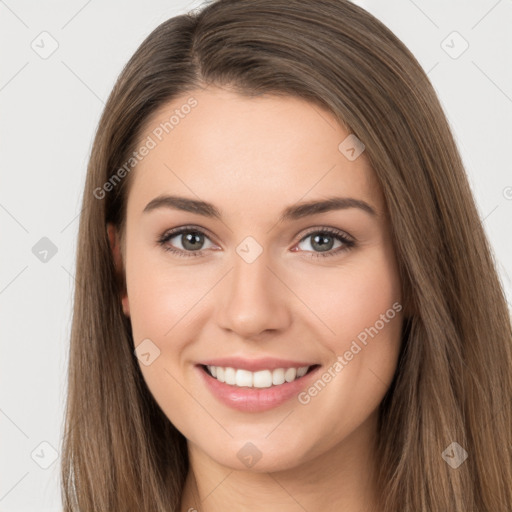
(255, 386)
(266, 378)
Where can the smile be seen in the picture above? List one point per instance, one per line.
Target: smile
(260, 379)
(255, 385)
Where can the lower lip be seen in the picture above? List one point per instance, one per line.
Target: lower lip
(255, 399)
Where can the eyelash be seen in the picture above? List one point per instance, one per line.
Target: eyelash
(339, 235)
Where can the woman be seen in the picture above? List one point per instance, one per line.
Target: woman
(285, 296)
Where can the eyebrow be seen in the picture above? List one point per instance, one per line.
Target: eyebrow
(293, 212)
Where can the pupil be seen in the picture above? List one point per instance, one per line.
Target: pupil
(189, 239)
(323, 241)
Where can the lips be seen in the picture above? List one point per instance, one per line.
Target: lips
(255, 385)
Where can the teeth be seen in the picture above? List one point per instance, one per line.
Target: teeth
(290, 374)
(243, 378)
(260, 379)
(278, 376)
(230, 376)
(302, 371)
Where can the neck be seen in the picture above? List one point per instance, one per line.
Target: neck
(342, 479)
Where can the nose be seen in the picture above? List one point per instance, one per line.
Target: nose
(253, 299)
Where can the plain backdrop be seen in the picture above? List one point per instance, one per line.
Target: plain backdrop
(50, 106)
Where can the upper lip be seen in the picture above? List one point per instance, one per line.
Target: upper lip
(254, 365)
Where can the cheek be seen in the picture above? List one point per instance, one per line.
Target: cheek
(160, 306)
(146, 298)
(361, 304)
(351, 298)
(159, 294)
(368, 295)
(368, 323)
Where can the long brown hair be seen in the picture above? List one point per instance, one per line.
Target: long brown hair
(453, 383)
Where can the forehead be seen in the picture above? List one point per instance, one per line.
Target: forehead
(244, 152)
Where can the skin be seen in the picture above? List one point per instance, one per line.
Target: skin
(252, 157)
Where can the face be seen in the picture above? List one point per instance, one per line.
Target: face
(295, 307)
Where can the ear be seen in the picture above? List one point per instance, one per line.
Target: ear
(115, 247)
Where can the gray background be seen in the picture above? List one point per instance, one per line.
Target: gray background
(49, 111)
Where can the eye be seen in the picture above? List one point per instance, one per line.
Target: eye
(323, 240)
(190, 238)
